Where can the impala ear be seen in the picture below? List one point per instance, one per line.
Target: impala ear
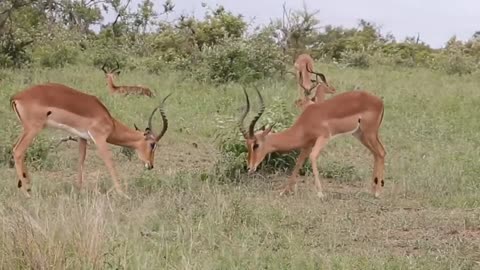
(262, 128)
(268, 130)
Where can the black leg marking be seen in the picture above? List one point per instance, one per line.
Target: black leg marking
(49, 112)
(24, 175)
(29, 189)
(375, 180)
(19, 184)
(382, 183)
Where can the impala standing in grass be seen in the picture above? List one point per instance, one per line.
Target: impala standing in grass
(358, 113)
(83, 115)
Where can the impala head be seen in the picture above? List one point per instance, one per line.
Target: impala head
(321, 87)
(257, 142)
(146, 148)
(113, 72)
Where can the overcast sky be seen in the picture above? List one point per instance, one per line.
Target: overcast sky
(435, 20)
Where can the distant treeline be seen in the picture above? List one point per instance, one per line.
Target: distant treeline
(216, 47)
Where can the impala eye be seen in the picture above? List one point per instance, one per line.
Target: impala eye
(255, 146)
(153, 145)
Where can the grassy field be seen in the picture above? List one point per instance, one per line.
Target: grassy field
(427, 218)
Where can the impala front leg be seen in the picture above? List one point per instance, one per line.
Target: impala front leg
(106, 155)
(292, 182)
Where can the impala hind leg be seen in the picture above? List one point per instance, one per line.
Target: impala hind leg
(82, 149)
(317, 148)
(19, 151)
(106, 156)
(292, 182)
(373, 143)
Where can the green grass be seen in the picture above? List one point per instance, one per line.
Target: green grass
(427, 218)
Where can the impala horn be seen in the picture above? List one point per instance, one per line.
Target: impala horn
(251, 129)
(103, 68)
(118, 66)
(242, 118)
(306, 91)
(324, 79)
(164, 119)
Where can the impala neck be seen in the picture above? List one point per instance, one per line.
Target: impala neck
(110, 83)
(284, 141)
(320, 95)
(124, 136)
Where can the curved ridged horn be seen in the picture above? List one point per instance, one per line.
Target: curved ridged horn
(164, 119)
(242, 118)
(251, 129)
(306, 91)
(324, 79)
(118, 66)
(103, 68)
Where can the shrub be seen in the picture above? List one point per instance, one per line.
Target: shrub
(56, 56)
(457, 64)
(57, 48)
(231, 144)
(13, 50)
(108, 54)
(235, 59)
(359, 59)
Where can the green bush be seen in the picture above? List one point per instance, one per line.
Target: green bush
(107, 53)
(457, 64)
(239, 60)
(231, 143)
(359, 59)
(57, 48)
(56, 56)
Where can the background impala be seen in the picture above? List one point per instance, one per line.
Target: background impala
(124, 89)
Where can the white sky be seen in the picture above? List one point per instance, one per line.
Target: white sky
(435, 20)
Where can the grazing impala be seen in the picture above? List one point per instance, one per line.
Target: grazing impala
(304, 69)
(322, 88)
(124, 89)
(59, 106)
(358, 113)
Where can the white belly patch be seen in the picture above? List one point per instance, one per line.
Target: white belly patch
(345, 133)
(84, 134)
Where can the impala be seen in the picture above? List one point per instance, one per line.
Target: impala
(304, 69)
(322, 88)
(124, 89)
(58, 106)
(358, 113)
